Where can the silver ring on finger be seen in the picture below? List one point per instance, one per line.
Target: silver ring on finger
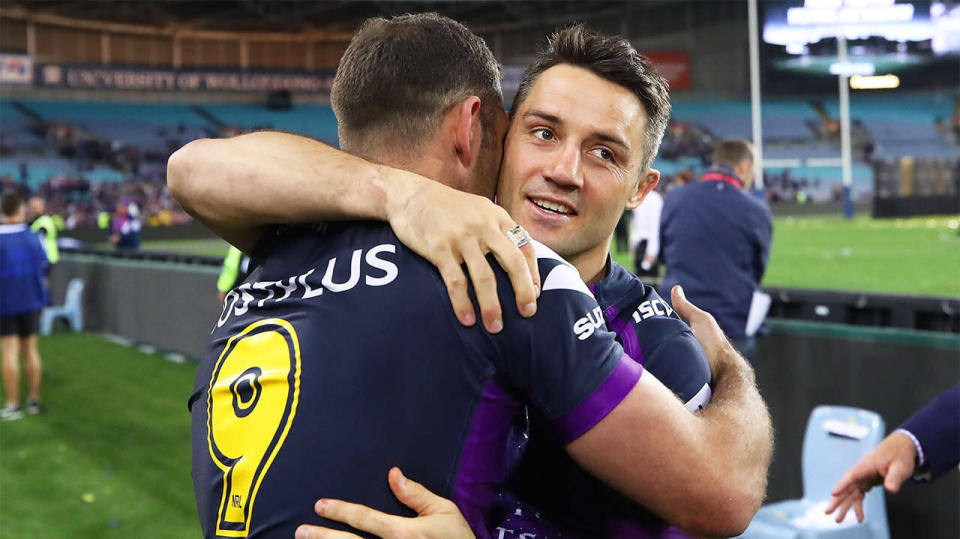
(518, 236)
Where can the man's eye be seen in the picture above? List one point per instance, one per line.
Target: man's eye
(543, 133)
(604, 154)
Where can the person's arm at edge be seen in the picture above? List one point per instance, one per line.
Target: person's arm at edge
(930, 439)
(237, 187)
(705, 473)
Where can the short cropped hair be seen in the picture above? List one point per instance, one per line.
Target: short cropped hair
(11, 203)
(400, 76)
(614, 59)
(732, 152)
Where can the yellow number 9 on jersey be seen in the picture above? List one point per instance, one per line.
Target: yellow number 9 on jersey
(251, 402)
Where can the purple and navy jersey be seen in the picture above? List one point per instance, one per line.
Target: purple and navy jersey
(22, 264)
(339, 356)
(559, 498)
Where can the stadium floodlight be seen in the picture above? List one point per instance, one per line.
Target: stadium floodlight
(850, 12)
(876, 82)
(796, 48)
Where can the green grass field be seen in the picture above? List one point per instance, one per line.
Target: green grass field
(111, 457)
(919, 256)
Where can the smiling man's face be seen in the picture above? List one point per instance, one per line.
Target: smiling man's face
(572, 161)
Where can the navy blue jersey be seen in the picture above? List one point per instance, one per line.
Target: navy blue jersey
(128, 231)
(340, 356)
(559, 498)
(22, 264)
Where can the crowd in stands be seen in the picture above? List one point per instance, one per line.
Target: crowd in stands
(79, 202)
(81, 175)
(82, 164)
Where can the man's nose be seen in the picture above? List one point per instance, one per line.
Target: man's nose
(567, 170)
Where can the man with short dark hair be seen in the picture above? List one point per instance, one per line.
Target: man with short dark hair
(715, 240)
(22, 263)
(570, 361)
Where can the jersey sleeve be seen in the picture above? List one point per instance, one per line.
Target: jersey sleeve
(563, 360)
(937, 429)
(657, 337)
(679, 362)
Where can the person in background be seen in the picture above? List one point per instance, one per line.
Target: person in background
(925, 448)
(235, 268)
(621, 234)
(22, 264)
(683, 177)
(46, 226)
(125, 227)
(645, 235)
(715, 241)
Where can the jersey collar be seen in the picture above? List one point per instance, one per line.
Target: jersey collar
(12, 228)
(723, 174)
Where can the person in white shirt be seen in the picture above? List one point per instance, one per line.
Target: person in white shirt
(645, 235)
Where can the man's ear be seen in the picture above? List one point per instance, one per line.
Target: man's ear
(468, 132)
(646, 184)
(743, 168)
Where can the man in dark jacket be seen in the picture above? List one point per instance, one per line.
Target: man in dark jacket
(715, 240)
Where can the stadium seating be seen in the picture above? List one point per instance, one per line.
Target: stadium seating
(71, 310)
(836, 438)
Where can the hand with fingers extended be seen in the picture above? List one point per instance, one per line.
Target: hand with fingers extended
(449, 228)
(705, 329)
(437, 518)
(889, 464)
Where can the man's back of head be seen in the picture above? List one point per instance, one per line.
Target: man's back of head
(13, 208)
(400, 76)
(737, 154)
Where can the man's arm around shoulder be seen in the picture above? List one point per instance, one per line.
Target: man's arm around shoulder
(706, 473)
(238, 186)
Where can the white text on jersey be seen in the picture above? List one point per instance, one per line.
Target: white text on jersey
(585, 326)
(651, 308)
(239, 300)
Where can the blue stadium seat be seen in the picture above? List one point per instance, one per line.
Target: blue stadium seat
(836, 438)
(71, 310)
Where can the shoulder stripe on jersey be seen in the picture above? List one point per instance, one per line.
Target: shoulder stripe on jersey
(545, 252)
(563, 276)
